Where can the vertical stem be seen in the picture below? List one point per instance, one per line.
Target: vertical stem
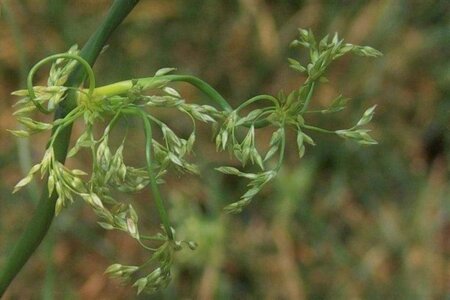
(149, 165)
(153, 184)
(39, 224)
(308, 97)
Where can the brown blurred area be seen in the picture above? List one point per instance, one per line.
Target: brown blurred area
(345, 222)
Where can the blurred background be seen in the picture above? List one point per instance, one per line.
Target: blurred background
(344, 222)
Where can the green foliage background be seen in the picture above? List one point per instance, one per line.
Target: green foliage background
(345, 222)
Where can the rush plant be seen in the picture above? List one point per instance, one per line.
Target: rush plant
(234, 131)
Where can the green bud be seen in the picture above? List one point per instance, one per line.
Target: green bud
(59, 205)
(164, 71)
(367, 116)
(113, 269)
(140, 284)
(23, 182)
(172, 92)
(132, 228)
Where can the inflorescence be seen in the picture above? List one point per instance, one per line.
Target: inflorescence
(126, 99)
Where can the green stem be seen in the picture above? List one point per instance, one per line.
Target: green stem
(317, 129)
(282, 149)
(308, 97)
(153, 184)
(204, 87)
(122, 87)
(258, 98)
(38, 226)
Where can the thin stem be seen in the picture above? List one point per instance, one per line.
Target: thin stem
(146, 247)
(282, 149)
(317, 129)
(308, 97)
(152, 238)
(315, 111)
(154, 186)
(149, 166)
(258, 98)
(202, 86)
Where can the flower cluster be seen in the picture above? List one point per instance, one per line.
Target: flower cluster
(234, 132)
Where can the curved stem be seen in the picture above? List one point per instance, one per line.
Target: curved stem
(203, 86)
(38, 226)
(258, 98)
(36, 67)
(146, 247)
